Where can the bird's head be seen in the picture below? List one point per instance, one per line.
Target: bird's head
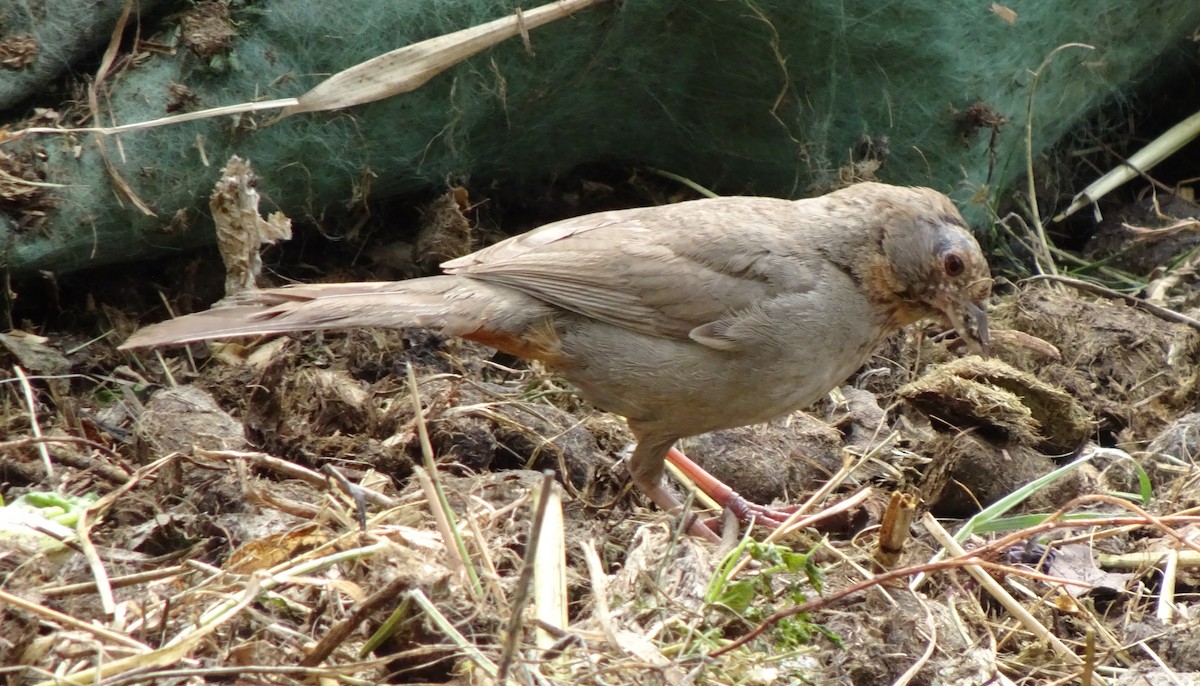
(934, 266)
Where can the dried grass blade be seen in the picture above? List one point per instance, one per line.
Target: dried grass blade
(408, 68)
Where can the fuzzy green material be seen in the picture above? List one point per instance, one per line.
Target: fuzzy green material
(769, 97)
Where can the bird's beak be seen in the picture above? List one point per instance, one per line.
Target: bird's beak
(969, 320)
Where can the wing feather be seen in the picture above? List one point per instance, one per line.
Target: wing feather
(662, 271)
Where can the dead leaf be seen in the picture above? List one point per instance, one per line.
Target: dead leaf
(1076, 562)
(240, 230)
(266, 552)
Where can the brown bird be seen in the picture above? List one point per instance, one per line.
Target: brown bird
(683, 318)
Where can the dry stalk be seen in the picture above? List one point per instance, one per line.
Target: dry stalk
(599, 581)
(491, 575)
(1138, 163)
(894, 529)
(1043, 241)
(52, 615)
(931, 641)
(34, 426)
(550, 567)
(1165, 608)
(521, 592)
(171, 652)
(399, 71)
(439, 505)
(993, 587)
(469, 648)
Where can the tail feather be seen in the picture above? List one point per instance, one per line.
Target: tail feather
(451, 304)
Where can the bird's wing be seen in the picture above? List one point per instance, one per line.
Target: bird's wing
(664, 271)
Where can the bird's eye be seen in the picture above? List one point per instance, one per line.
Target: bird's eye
(953, 264)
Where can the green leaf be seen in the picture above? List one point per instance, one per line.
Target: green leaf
(737, 595)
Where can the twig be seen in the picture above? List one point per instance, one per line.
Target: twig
(234, 672)
(355, 493)
(21, 442)
(115, 582)
(972, 557)
(977, 555)
(295, 471)
(796, 521)
(1157, 310)
(338, 633)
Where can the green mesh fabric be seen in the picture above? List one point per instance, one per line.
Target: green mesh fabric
(769, 97)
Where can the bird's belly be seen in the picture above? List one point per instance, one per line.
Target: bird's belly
(684, 388)
(757, 395)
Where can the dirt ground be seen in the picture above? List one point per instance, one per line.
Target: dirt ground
(268, 511)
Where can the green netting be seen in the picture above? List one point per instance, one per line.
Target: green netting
(768, 97)
(63, 31)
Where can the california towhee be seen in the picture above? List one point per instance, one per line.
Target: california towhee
(683, 318)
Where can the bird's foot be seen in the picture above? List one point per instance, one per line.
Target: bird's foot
(727, 498)
(763, 515)
(723, 495)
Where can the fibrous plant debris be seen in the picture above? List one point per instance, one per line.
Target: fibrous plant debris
(998, 400)
(18, 52)
(207, 29)
(1133, 393)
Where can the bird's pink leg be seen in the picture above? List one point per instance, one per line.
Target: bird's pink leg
(669, 503)
(646, 469)
(726, 497)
